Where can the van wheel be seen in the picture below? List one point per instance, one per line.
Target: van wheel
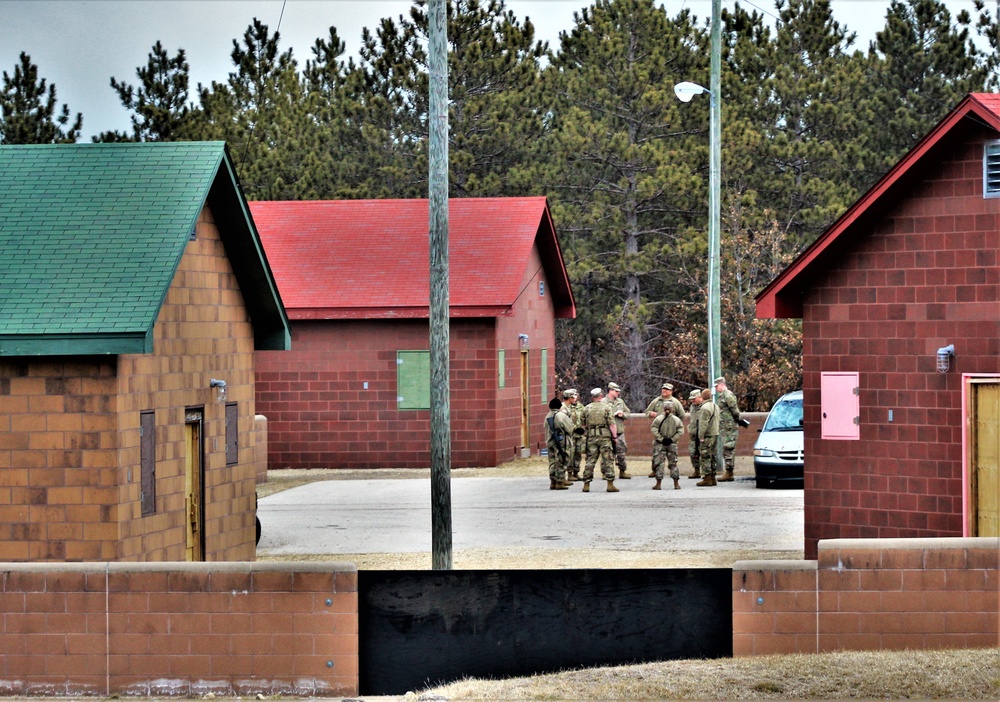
(257, 519)
(763, 482)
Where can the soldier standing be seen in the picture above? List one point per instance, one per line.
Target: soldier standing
(571, 401)
(621, 412)
(708, 437)
(599, 425)
(667, 430)
(694, 447)
(729, 429)
(655, 408)
(559, 442)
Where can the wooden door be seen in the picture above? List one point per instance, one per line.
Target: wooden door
(525, 430)
(194, 490)
(985, 451)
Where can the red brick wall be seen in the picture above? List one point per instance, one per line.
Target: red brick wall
(319, 414)
(870, 594)
(922, 277)
(181, 630)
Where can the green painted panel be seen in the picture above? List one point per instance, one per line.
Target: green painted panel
(413, 380)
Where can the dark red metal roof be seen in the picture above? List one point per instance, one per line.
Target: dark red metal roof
(783, 297)
(365, 259)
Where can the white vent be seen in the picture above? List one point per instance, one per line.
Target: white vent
(991, 170)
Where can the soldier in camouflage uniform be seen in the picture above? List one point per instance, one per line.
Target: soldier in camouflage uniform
(571, 401)
(621, 412)
(655, 408)
(559, 443)
(694, 448)
(599, 425)
(708, 438)
(729, 429)
(667, 430)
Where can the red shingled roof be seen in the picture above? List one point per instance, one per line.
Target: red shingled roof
(783, 297)
(363, 259)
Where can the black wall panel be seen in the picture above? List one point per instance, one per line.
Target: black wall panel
(419, 628)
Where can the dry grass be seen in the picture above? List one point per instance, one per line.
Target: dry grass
(972, 674)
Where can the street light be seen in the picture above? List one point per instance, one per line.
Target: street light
(684, 92)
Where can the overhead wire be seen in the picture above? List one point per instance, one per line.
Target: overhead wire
(256, 109)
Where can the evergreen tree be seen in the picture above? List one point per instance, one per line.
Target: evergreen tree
(627, 166)
(28, 109)
(159, 105)
(260, 112)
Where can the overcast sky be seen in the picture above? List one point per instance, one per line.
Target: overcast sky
(80, 44)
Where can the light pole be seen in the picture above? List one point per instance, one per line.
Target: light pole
(684, 92)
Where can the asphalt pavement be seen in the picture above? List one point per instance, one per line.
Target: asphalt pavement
(394, 516)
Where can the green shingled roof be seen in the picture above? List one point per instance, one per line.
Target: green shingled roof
(91, 236)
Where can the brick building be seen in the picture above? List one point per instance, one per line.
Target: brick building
(130, 278)
(354, 275)
(894, 446)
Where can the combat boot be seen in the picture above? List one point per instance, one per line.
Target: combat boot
(695, 475)
(657, 486)
(586, 486)
(707, 481)
(727, 477)
(677, 484)
(557, 484)
(624, 476)
(574, 477)
(611, 486)
(652, 474)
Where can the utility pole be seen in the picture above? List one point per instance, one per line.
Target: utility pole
(714, 206)
(441, 542)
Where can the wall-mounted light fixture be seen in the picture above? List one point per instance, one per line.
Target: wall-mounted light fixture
(523, 338)
(220, 389)
(944, 355)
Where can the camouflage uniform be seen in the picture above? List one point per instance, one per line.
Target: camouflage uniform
(694, 446)
(620, 448)
(597, 419)
(708, 436)
(667, 430)
(729, 430)
(558, 461)
(579, 441)
(655, 407)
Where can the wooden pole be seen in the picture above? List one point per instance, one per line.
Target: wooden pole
(714, 208)
(441, 542)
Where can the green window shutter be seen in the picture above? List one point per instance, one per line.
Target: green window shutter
(545, 375)
(991, 170)
(413, 380)
(501, 367)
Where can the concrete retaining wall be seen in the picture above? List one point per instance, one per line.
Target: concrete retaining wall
(870, 594)
(176, 629)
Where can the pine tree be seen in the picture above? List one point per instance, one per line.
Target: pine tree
(28, 109)
(159, 105)
(627, 167)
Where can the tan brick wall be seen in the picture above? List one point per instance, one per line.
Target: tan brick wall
(179, 629)
(69, 439)
(868, 594)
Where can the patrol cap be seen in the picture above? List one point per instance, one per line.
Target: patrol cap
(720, 379)
(614, 386)
(694, 393)
(570, 393)
(666, 386)
(595, 392)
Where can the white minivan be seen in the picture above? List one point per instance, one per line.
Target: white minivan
(778, 453)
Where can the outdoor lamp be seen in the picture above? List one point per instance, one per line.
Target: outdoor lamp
(220, 389)
(944, 355)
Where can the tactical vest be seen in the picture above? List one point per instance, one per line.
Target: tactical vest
(597, 418)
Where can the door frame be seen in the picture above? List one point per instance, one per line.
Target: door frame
(525, 404)
(194, 483)
(969, 498)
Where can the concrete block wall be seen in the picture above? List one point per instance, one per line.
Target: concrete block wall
(870, 594)
(182, 630)
(921, 277)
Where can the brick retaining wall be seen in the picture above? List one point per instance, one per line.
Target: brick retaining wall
(870, 594)
(177, 629)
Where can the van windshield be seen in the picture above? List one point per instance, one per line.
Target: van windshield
(785, 416)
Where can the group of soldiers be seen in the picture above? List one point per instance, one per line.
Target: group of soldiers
(575, 433)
